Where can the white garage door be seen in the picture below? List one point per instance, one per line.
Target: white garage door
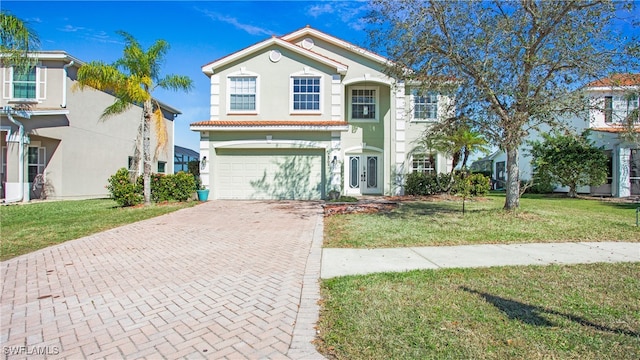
(269, 174)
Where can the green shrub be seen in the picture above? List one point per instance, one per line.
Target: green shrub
(123, 190)
(480, 184)
(169, 187)
(421, 184)
(182, 186)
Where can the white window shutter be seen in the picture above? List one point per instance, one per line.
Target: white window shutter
(7, 75)
(41, 78)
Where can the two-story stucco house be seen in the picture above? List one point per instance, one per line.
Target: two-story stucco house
(54, 143)
(298, 116)
(614, 105)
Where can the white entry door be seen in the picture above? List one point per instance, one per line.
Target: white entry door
(363, 174)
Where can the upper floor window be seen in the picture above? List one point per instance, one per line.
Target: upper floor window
(425, 105)
(364, 104)
(243, 94)
(306, 93)
(24, 84)
(620, 108)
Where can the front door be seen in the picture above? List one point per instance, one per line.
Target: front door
(363, 174)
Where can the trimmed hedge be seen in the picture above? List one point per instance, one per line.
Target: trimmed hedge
(423, 184)
(179, 187)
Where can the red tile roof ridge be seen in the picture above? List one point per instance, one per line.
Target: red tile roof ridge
(617, 80)
(617, 129)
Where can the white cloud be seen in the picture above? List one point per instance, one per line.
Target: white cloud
(70, 28)
(317, 10)
(349, 12)
(250, 29)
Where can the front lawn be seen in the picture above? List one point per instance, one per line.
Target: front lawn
(526, 312)
(29, 227)
(540, 219)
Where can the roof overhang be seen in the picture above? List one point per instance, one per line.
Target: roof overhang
(210, 68)
(322, 126)
(337, 42)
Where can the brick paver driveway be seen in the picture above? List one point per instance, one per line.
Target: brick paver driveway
(225, 279)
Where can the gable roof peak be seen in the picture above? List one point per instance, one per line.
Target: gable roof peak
(308, 30)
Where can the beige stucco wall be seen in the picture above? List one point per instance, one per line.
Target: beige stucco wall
(82, 150)
(392, 136)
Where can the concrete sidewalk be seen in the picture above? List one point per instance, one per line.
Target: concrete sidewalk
(340, 262)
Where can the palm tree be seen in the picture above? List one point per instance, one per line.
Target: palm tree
(17, 40)
(469, 142)
(131, 80)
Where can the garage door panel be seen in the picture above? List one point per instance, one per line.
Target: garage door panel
(269, 174)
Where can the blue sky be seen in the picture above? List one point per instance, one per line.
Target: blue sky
(197, 31)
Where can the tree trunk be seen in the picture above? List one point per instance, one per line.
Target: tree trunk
(512, 201)
(573, 191)
(146, 152)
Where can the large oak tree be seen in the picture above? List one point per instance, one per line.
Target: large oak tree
(518, 64)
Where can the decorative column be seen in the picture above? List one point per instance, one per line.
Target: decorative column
(400, 138)
(624, 176)
(214, 113)
(335, 162)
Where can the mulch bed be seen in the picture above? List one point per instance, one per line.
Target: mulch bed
(359, 207)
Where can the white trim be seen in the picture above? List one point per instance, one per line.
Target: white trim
(214, 111)
(361, 149)
(337, 104)
(210, 68)
(376, 104)
(335, 41)
(48, 112)
(243, 73)
(293, 143)
(270, 128)
(306, 73)
(367, 78)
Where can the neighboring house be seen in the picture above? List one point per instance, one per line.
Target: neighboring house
(54, 144)
(614, 103)
(182, 157)
(297, 116)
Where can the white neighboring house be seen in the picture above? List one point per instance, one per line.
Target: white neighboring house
(616, 102)
(298, 116)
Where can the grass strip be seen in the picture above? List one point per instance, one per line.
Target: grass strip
(540, 219)
(529, 312)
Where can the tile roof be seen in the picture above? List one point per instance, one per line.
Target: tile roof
(617, 80)
(259, 123)
(617, 129)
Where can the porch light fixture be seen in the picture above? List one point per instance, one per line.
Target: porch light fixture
(203, 163)
(335, 160)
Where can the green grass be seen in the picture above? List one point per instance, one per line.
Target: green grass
(539, 219)
(29, 227)
(533, 312)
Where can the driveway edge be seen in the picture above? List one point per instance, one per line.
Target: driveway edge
(304, 331)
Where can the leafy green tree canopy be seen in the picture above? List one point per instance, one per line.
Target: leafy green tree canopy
(569, 160)
(17, 39)
(517, 63)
